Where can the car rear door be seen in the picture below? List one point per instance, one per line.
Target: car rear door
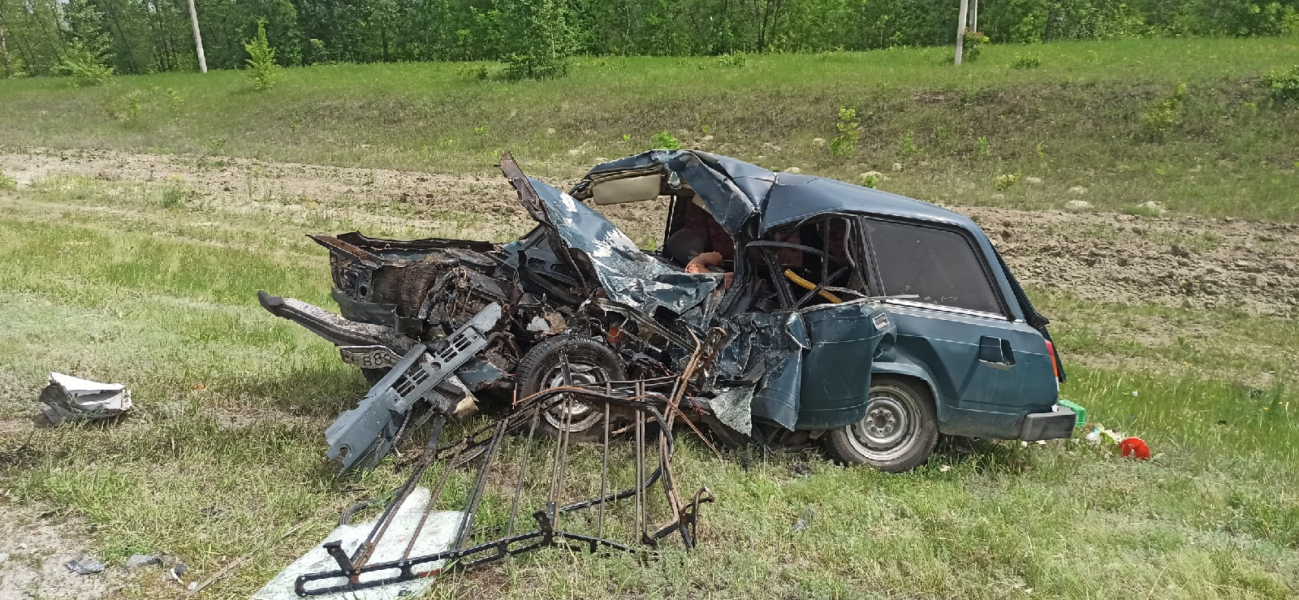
(954, 323)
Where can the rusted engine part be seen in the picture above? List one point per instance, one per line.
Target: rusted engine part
(508, 489)
(390, 282)
(362, 436)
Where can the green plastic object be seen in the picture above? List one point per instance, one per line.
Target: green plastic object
(1079, 412)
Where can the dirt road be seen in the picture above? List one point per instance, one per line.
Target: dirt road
(1107, 257)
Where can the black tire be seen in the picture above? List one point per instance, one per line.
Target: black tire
(589, 361)
(898, 432)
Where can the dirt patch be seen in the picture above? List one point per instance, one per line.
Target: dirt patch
(37, 546)
(1198, 263)
(1107, 257)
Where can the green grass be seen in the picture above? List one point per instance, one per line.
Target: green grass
(1075, 121)
(224, 451)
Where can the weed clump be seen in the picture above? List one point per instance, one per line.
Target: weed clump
(907, 144)
(1026, 61)
(1160, 120)
(126, 108)
(664, 139)
(1283, 85)
(7, 182)
(261, 59)
(1005, 182)
(845, 144)
(735, 60)
(533, 66)
(973, 45)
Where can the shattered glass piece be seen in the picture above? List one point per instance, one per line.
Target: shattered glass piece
(85, 566)
(804, 520)
(140, 560)
(734, 408)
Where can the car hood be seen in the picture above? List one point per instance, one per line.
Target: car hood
(627, 274)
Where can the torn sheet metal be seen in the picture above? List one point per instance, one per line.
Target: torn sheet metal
(627, 274)
(771, 345)
(359, 341)
(733, 190)
(69, 398)
(436, 535)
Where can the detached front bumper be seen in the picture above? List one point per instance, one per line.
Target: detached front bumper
(1052, 425)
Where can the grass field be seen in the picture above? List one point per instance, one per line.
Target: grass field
(114, 281)
(1075, 121)
(137, 278)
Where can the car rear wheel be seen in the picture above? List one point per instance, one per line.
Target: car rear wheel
(898, 432)
(589, 362)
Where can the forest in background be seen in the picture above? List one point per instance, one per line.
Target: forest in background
(145, 36)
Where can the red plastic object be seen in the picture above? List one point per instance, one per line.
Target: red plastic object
(1135, 448)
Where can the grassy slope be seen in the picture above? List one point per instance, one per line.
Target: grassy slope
(118, 282)
(1076, 121)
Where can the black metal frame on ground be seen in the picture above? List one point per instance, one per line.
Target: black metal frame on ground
(647, 428)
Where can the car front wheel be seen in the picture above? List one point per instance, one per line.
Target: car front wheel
(898, 432)
(589, 362)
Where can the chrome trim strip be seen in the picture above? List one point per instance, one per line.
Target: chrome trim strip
(948, 309)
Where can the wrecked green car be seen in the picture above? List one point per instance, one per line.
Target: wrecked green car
(795, 309)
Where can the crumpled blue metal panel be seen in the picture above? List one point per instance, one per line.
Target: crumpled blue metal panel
(771, 344)
(731, 189)
(628, 275)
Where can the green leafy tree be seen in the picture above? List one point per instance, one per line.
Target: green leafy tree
(261, 60)
(541, 40)
(83, 66)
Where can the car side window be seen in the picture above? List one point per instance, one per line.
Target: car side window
(808, 263)
(937, 266)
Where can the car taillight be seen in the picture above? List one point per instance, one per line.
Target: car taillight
(1055, 363)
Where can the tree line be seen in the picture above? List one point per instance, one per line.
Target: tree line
(142, 36)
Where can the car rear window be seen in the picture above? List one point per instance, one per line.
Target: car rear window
(936, 265)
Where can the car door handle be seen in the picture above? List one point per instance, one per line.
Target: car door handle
(996, 353)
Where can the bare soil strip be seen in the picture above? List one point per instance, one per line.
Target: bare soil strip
(1108, 257)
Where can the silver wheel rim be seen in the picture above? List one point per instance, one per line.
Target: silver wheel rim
(890, 428)
(580, 416)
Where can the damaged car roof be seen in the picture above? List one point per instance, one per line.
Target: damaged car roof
(735, 191)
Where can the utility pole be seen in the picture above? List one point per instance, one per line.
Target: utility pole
(198, 38)
(4, 49)
(960, 30)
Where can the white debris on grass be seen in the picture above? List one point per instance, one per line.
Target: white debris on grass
(70, 398)
(438, 535)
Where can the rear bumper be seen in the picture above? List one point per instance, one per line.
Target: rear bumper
(1055, 424)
